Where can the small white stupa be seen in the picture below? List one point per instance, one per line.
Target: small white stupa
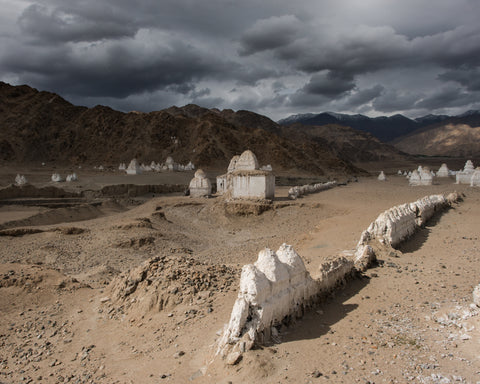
(414, 178)
(442, 171)
(475, 179)
(72, 177)
(122, 167)
(421, 176)
(57, 178)
(133, 168)
(20, 180)
(426, 177)
(382, 176)
(464, 177)
(170, 164)
(200, 185)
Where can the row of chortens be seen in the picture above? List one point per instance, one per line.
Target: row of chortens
(134, 168)
(424, 176)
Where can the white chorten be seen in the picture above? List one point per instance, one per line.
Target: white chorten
(20, 180)
(72, 177)
(382, 176)
(200, 185)
(442, 171)
(56, 178)
(464, 177)
(475, 179)
(133, 168)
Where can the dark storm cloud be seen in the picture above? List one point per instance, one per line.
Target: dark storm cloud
(329, 83)
(280, 56)
(270, 33)
(116, 69)
(466, 76)
(364, 96)
(448, 96)
(57, 25)
(394, 100)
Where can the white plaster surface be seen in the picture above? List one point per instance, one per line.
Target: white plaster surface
(443, 171)
(133, 168)
(72, 177)
(200, 185)
(476, 295)
(475, 179)
(253, 186)
(465, 176)
(56, 178)
(247, 161)
(297, 191)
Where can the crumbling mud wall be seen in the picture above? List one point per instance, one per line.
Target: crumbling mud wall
(28, 190)
(278, 288)
(398, 223)
(297, 191)
(133, 190)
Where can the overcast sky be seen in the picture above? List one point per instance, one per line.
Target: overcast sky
(274, 57)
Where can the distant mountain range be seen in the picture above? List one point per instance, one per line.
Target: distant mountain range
(43, 127)
(385, 128)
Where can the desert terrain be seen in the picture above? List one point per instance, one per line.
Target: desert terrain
(410, 318)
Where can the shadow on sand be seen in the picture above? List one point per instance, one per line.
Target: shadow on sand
(319, 319)
(416, 241)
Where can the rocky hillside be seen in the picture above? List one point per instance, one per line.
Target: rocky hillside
(385, 128)
(446, 139)
(41, 126)
(347, 143)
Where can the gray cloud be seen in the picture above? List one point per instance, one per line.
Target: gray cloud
(59, 25)
(469, 77)
(270, 33)
(281, 57)
(329, 83)
(447, 96)
(364, 96)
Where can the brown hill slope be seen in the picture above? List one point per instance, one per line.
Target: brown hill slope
(452, 139)
(347, 143)
(41, 126)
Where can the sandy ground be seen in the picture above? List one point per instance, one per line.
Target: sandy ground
(409, 319)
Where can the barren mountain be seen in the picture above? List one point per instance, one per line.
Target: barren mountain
(41, 126)
(347, 143)
(449, 139)
(385, 128)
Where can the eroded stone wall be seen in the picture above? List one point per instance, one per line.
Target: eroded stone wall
(297, 191)
(277, 287)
